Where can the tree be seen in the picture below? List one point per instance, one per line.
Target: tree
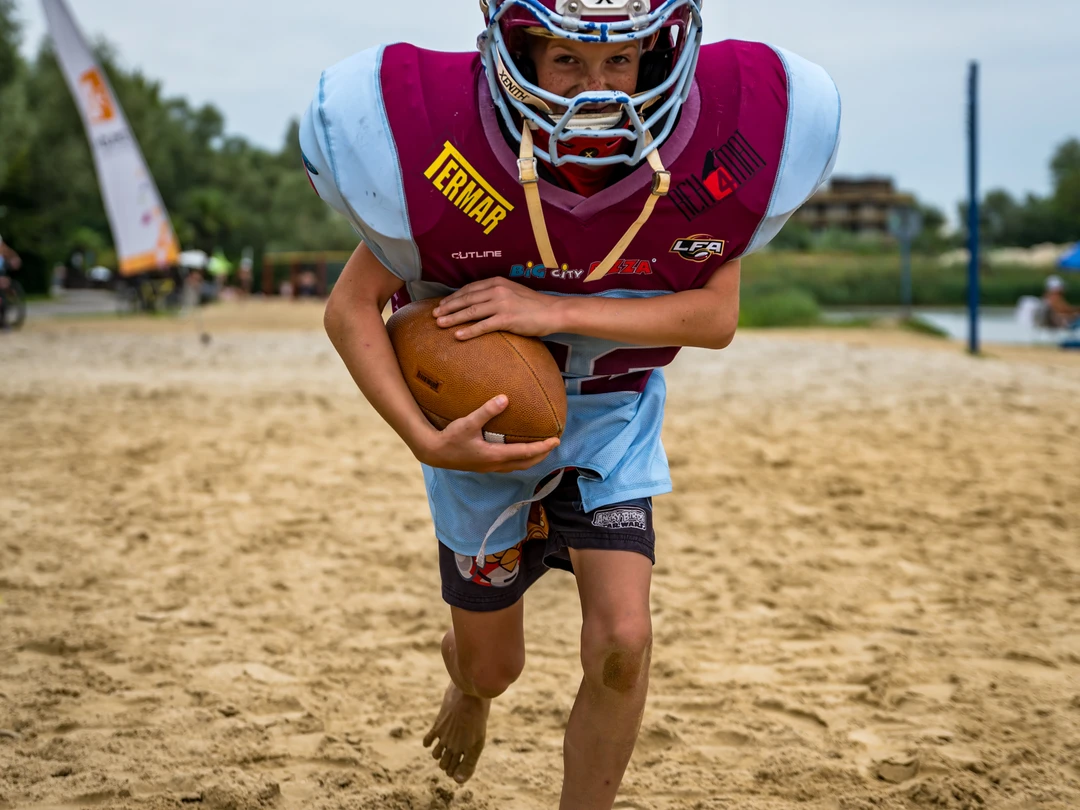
(1065, 168)
(999, 218)
(932, 238)
(14, 118)
(1066, 161)
(219, 190)
(10, 39)
(1006, 221)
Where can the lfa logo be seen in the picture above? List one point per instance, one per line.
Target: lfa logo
(698, 248)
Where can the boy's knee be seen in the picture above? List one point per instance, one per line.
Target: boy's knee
(489, 675)
(615, 654)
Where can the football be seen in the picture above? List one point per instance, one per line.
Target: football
(450, 378)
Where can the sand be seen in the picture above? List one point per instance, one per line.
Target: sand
(219, 587)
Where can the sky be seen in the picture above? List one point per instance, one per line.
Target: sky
(901, 68)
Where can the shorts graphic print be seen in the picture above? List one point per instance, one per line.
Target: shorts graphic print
(501, 570)
(555, 526)
(621, 517)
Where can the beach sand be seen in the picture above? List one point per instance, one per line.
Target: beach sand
(219, 583)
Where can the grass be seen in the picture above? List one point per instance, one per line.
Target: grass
(840, 280)
(87, 316)
(791, 288)
(852, 323)
(783, 307)
(922, 327)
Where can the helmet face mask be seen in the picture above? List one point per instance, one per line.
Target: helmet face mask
(592, 21)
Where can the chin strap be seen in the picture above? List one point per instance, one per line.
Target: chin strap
(529, 177)
(530, 180)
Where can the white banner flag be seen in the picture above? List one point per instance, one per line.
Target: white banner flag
(141, 228)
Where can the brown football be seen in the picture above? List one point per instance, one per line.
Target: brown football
(450, 378)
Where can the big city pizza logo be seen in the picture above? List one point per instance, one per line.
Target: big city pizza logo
(625, 267)
(698, 248)
(726, 170)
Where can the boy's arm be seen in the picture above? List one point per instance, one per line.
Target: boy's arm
(350, 158)
(706, 317)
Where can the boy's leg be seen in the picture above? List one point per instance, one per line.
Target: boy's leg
(616, 644)
(484, 653)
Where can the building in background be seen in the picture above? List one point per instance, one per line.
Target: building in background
(859, 205)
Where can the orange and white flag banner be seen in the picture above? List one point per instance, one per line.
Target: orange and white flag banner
(141, 228)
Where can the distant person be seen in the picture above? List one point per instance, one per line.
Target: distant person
(9, 260)
(193, 284)
(59, 277)
(77, 269)
(1059, 313)
(245, 277)
(307, 285)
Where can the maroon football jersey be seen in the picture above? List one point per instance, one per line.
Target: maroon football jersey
(407, 143)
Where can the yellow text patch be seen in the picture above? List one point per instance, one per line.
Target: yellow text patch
(462, 185)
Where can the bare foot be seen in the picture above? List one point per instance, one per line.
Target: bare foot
(460, 730)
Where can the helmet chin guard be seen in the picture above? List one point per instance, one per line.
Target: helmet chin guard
(592, 21)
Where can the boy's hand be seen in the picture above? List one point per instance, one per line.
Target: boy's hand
(499, 305)
(461, 445)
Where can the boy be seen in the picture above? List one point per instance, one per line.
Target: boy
(616, 264)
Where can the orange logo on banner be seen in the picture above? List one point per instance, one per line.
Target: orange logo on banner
(99, 106)
(165, 252)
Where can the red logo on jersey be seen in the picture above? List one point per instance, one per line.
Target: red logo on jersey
(627, 267)
(720, 183)
(726, 170)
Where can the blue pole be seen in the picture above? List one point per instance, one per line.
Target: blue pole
(905, 274)
(973, 209)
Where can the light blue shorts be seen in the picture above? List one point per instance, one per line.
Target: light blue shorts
(613, 440)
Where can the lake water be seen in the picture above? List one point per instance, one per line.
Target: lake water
(996, 324)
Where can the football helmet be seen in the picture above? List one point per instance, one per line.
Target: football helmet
(665, 81)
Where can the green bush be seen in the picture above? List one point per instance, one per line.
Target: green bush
(840, 280)
(778, 307)
(839, 241)
(793, 236)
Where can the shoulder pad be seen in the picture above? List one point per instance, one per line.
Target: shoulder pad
(352, 161)
(811, 143)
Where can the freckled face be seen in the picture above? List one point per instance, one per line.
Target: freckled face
(569, 68)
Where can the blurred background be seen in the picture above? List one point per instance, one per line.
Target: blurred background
(214, 90)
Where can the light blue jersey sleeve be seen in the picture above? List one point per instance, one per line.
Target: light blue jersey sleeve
(352, 161)
(811, 144)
